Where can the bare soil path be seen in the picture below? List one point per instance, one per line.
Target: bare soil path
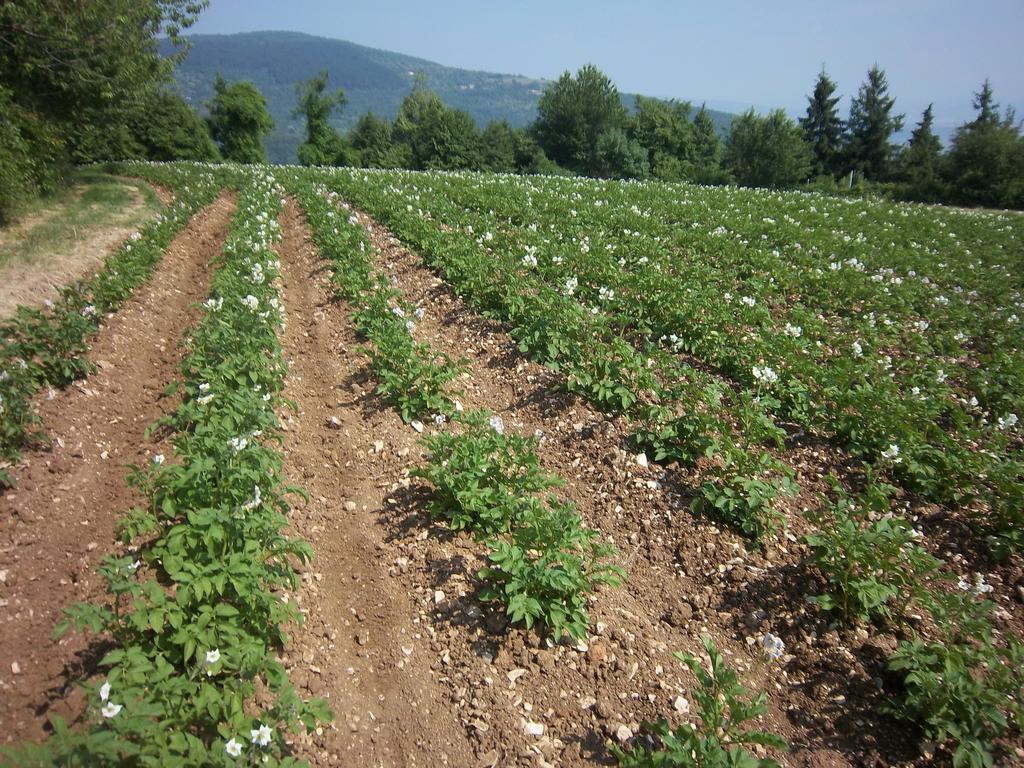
(59, 522)
(365, 646)
(31, 282)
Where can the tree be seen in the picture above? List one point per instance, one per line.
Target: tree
(871, 126)
(70, 72)
(921, 162)
(323, 144)
(437, 136)
(822, 127)
(59, 56)
(572, 114)
(707, 150)
(619, 157)
(767, 151)
(498, 147)
(239, 120)
(985, 165)
(988, 110)
(371, 139)
(664, 130)
(167, 128)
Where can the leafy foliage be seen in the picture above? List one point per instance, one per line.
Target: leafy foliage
(962, 687)
(323, 144)
(869, 558)
(482, 477)
(724, 706)
(767, 151)
(572, 115)
(239, 120)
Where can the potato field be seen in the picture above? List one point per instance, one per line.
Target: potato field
(389, 468)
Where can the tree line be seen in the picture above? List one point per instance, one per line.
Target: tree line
(84, 82)
(582, 128)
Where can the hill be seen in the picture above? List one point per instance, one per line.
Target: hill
(371, 78)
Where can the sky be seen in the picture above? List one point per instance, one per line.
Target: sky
(733, 54)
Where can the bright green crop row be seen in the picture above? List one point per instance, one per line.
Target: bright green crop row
(707, 331)
(197, 612)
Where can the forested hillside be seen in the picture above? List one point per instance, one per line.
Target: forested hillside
(371, 78)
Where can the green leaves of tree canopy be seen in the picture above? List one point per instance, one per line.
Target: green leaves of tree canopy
(323, 144)
(767, 151)
(69, 69)
(239, 120)
(437, 136)
(573, 113)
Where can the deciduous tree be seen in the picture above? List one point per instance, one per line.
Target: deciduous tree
(665, 131)
(767, 151)
(239, 120)
(323, 144)
(572, 114)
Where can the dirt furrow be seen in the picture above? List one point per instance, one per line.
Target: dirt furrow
(59, 522)
(686, 579)
(365, 646)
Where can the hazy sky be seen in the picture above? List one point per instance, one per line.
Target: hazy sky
(733, 53)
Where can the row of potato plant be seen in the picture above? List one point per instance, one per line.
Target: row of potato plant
(543, 562)
(46, 347)
(962, 682)
(197, 610)
(908, 358)
(503, 283)
(744, 479)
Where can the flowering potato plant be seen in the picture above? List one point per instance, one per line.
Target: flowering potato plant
(198, 611)
(871, 324)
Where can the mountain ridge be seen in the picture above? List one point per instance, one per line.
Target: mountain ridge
(371, 78)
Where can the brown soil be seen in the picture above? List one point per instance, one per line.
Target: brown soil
(30, 283)
(58, 523)
(364, 646)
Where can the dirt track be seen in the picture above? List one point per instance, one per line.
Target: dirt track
(58, 523)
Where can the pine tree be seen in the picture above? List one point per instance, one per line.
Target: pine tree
(823, 128)
(988, 110)
(921, 161)
(985, 165)
(707, 150)
(871, 126)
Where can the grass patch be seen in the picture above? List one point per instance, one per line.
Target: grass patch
(92, 201)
